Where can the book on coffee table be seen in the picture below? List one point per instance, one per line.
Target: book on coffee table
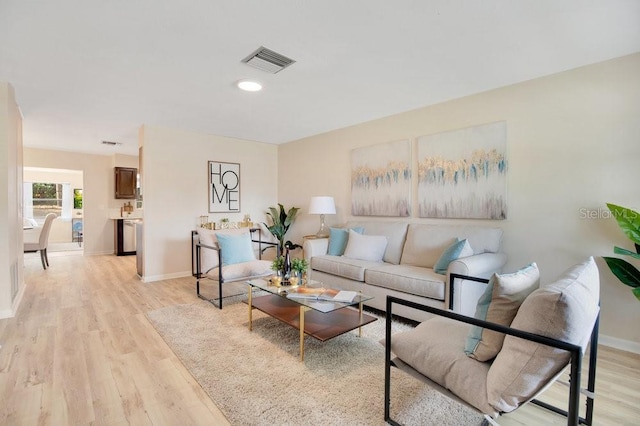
(321, 293)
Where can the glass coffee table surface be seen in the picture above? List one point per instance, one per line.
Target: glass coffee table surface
(311, 309)
(312, 295)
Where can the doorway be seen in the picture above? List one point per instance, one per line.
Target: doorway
(58, 191)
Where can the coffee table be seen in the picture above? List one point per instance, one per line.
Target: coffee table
(321, 319)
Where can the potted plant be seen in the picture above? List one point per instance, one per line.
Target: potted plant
(629, 221)
(277, 264)
(281, 221)
(299, 265)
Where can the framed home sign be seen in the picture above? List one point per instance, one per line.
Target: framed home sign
(223, 187)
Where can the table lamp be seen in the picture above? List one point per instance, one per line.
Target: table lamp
(322, 205)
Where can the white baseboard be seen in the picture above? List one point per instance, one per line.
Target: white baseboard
(98, 253)
(152, 278)
(614, 342)
(10, 313)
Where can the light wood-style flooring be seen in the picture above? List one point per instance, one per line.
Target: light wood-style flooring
(81, 351)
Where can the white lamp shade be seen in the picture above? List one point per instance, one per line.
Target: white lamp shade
(322, 205)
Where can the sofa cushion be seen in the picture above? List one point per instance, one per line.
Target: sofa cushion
(425, 243)
(435, 349)
(395, 232)
(407, 279)
(460, 248)
(499, 304)
(365, 247)
(338, 238)
(566, 310)
(341, 266)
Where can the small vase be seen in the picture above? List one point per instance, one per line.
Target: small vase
(294, 279)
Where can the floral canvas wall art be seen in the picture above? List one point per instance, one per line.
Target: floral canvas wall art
(462, 173)
(381, 180)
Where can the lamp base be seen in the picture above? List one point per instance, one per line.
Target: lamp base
(323, 232)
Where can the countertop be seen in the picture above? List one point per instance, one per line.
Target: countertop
(125, 216)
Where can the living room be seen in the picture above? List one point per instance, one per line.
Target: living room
(571, 138)
(572, 146)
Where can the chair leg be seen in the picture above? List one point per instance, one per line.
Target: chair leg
(220, 293)
(44, 266)
(46, 256)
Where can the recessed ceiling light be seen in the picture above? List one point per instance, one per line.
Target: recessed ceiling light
(249, 85)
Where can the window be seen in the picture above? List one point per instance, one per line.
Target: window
(41, 198)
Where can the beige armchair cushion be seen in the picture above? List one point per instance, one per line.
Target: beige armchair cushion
(566, 310)
(240, 271)
(435, 349)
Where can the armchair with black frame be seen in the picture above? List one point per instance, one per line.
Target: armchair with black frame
(556, 354)
(216, 261)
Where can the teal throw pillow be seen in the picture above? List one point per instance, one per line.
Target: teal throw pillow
(450, 254)
(499, 304)
(235, 248)
(338, 239)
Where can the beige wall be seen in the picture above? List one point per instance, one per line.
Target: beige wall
(174, 187)
(98, 190)
(573, 145)
(11, 240)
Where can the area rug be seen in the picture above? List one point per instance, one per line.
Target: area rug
(256, 378)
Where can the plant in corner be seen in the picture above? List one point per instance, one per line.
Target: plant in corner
(281, 221)
(629, 221)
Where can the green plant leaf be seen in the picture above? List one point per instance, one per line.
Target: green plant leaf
(626, 272)
(281, 221)
(291, 216)
(283, 215)
(636, 292)
(273, 213)
(620, 250)
(628, 220)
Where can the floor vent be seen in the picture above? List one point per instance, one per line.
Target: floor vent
(267, 60)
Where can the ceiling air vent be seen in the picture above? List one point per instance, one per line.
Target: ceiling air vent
(110, 143)
(267, 60)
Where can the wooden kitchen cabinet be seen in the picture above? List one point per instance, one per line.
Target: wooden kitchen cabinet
(126, 178)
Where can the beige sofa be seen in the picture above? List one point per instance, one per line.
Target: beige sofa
(406, 270)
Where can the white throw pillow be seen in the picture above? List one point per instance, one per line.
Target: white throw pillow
(365, 247)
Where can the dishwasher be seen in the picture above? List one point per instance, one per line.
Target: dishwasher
(129, 235)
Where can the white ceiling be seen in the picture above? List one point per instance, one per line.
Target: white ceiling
(87, 70)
